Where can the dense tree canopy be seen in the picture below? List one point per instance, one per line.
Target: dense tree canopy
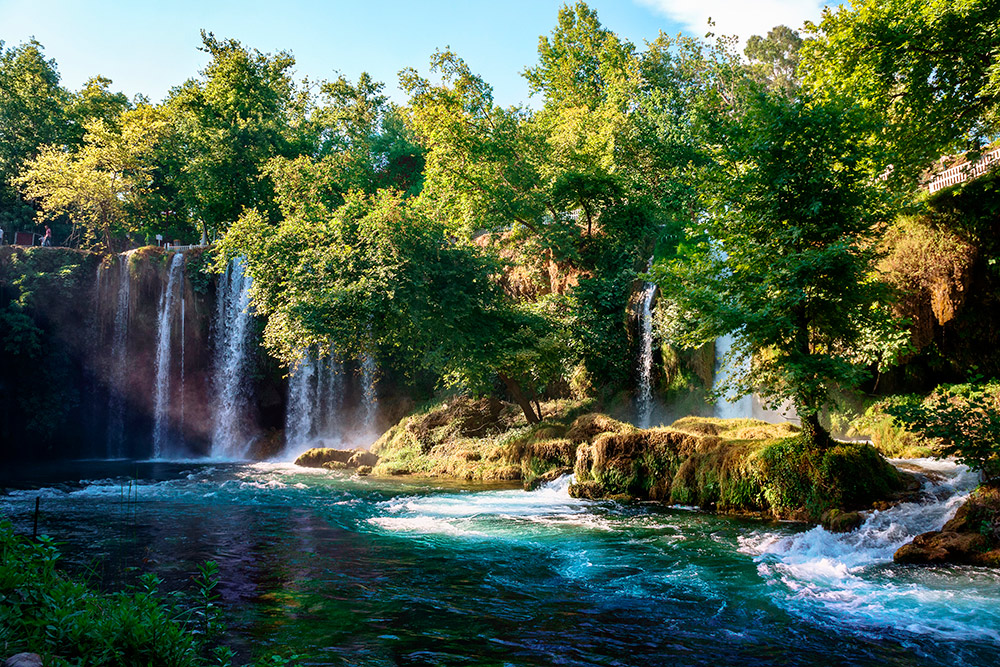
(400, 230)
(929, 68)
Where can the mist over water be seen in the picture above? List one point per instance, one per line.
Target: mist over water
(362, 571)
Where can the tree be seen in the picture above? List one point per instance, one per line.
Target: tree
(95, 186)
(930, 69)
(32, 115)
(375, 274)
(245, 111)
(774, 60)
(965, 418)
(784, 257)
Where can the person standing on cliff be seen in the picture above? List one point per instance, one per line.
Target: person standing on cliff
(47, 239)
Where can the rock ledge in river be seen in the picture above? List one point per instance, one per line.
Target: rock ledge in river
(323, 457)
(972, 537)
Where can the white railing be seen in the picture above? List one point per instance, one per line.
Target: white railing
(964, 172)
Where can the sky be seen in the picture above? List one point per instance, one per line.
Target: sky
(149, 46)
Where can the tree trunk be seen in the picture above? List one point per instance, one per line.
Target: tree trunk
(815, 432)
(519, 397)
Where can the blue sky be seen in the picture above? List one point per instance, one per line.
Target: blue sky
(149, 46)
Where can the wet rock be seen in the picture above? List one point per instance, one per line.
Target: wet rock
(972, 536)
(590, 490)
(942, 547)
(319, 457)
(550, 476)
(838, 521)
(23, 660)
(364, 471)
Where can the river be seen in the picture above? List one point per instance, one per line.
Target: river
(357, 571)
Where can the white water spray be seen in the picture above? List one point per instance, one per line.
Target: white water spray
(301, 404)
(119, 364)
(161, 405)
(726, 407)
(315, 404)
(369, 396)
(644, 399)
(232, 330)
(836, 575)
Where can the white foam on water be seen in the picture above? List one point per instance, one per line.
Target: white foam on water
(848, 577)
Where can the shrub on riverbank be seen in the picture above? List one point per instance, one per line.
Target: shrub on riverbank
(44, 611)
(734, 466)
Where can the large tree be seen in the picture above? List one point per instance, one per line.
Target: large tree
(32, 115)
(244, 110)
(783, 257)
(97, 186)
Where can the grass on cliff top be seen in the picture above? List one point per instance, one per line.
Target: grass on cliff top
(482, 440)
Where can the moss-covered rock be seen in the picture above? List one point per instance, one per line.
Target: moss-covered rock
(335, 459)
(734, 466)
(972, 536)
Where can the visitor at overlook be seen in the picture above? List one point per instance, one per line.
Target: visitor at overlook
(47, 239)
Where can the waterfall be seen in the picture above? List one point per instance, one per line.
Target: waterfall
(301, 404)
(232, 330)
(725, 407)
(162, 387)
(330, 391)
(644, 400)
(315, 403)
(183, 302)
(369, 396)
(119, 364)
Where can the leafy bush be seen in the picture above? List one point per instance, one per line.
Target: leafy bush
(966, 420)
(44, 611)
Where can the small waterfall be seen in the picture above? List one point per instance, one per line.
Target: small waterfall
(330, 392)
(299, 429)
(369, 397)
(161, 405)
(726, 408)
(315, 403)
(119, 364)
(644, 399)
(232, 330)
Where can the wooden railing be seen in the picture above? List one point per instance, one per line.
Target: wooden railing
(964, 172)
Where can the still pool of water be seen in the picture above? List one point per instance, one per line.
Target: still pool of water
(357, 571)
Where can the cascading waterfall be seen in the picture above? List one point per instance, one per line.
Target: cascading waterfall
(330, 391)
(183, 302)
(232, 331)
(644, 399)
(725, 408)
(369, 396)
(301, 404)
(315, 403)
(161, 405)
(119, 364)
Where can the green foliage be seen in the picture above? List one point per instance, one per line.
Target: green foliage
(930, 69)
(966, 419)
(44, 611)
(774, 59)
(784, 256)
(98, 187)
(795, 474)
(32, 115)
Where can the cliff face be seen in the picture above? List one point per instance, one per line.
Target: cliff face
(95, 356)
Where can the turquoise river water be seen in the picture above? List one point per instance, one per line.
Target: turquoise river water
(356, 571)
